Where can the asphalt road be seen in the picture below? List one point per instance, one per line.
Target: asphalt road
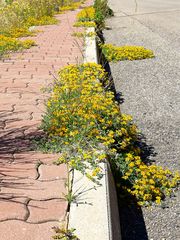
(151, 92)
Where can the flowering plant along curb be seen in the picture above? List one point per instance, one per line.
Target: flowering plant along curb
(121, 53)
(84, 124)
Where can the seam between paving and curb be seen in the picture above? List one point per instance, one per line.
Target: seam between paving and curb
(95, 214)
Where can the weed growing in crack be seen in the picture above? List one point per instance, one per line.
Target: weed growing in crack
(65, 234)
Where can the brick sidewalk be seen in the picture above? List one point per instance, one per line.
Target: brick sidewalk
(31, 194)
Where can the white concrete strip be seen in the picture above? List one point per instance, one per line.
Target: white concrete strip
(89, 214)
(90, 51)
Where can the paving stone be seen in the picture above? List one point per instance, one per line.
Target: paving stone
(11, 85)
(32, 132)
(24, 124)
(2, 124)
(5, 158)
(20, 90)
(44, 211)
(34, 157)
(6, 135)
(14, 208)
(21, 115)
(16, 116)
(27, 97)
(29, 108)
(16, 170)
(34, 189)
(18, 230)
(6, 108)
(52, 172)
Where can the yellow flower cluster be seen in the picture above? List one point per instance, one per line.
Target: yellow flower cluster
(80, 101)
(116, 53)
(19, 32)
(85, 24)
(84, 123)
(85, 160)
(86, 17)
(8, 44)
(45, 20)
(70, 6)
(149, 183)
(84, 34)
(87, 14)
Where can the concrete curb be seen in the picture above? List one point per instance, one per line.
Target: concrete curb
(90, 51)
(95, 214)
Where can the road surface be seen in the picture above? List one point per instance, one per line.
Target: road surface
(151, 93)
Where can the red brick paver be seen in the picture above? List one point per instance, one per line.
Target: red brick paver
(32, 188)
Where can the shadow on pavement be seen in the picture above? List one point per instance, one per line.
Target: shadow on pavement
(132, 221)
(147, 150)
(118, 95)
(131, 216)
(16, 139)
